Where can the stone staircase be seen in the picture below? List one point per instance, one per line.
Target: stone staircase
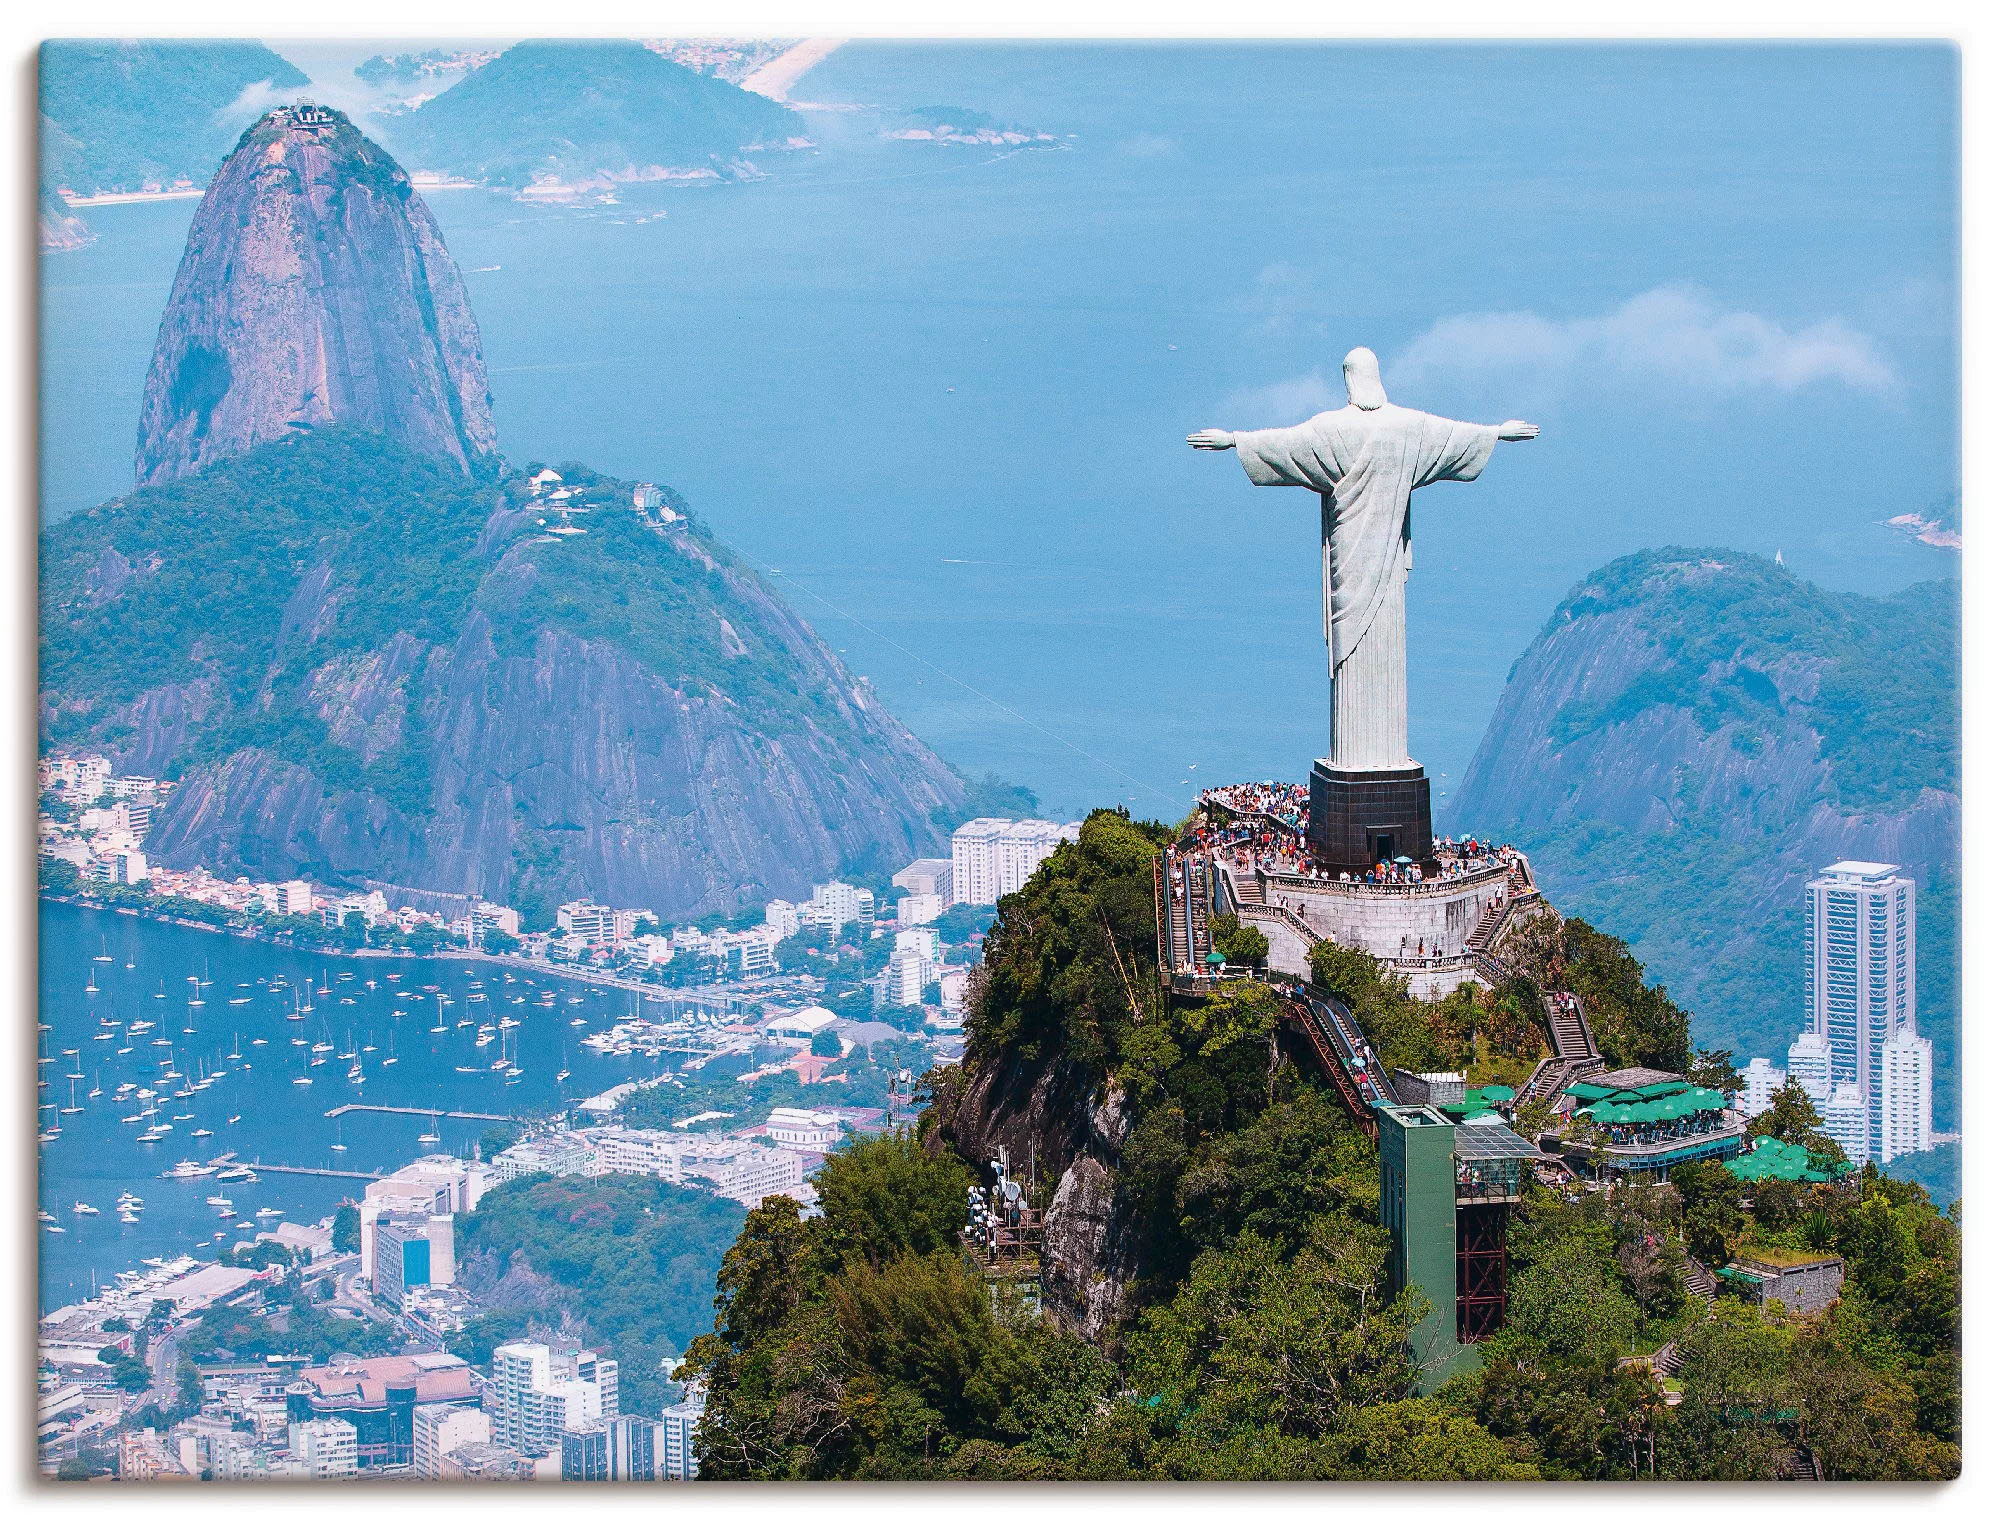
(1800, 1465)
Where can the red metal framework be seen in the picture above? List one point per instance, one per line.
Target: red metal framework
(1482, 1270)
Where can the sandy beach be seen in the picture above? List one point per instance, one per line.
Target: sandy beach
(776, 78)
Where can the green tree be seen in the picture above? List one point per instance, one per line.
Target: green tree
(889, 1195)
(827, 1043)
(346, 1229)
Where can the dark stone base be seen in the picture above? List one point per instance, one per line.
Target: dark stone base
(1362, 816)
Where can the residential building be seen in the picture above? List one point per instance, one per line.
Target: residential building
(925, 878)
(556, 1154)
(1844, 1117)
(835, 904)
(587, 920)
(121, 867)
(438, 1429)
(782, 916)
(1809, 1062)
(492, 915)
(679, 1460)
(324, 1447)
(919, 907)
(744, 1172)
(1761, 1082)
(627, 1448)
(1906, 1095)
(1860, 977)
(992, 857)
(539, 1392)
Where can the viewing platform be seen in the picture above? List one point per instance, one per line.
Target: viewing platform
(1436, 922)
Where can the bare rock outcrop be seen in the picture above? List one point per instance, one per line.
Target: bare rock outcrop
(315, 289)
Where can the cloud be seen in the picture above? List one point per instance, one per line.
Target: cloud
(1675, 333)
(1286, 401)
(255, 100)
(1285, 299)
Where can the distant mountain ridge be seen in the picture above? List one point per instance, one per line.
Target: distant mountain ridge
(1694, 734)
(315, 290)
(119, 114)
(371, 652)
(575, 111)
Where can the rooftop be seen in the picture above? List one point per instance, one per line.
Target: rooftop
(1868, 870)
(438, 1377)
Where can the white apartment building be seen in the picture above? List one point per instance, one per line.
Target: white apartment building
(835, 904)
(782, 917)
(539, 1392)
(930, 877)
(587, 920)
(287, 897)
(1844, 1117)
(680, 1463)
(743, 1172)
(325, 1447)
(551, 1155)
(992, 857)
(1906, 1094)
(438, 1429)
(919, 907)
(1761, 1082)
(1861, 982)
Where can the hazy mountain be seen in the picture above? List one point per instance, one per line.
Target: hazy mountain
(578, 110)
(315, 289)
(118, 114)
(1693, 735)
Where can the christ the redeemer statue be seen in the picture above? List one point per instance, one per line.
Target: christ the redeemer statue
(1364, 460)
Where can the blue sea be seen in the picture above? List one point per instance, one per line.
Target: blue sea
(243, 1032)
(939, 392)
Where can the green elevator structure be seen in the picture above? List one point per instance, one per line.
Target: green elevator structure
(1447, 1191)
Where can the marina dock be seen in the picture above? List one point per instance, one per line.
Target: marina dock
(376, 1107)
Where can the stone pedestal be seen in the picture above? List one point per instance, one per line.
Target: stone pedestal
(1362, 816)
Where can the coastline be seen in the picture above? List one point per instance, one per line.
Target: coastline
(131, 197)
(776, 79)
(715, 991)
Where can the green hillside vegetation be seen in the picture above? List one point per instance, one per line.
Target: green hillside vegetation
(1696, 899)
(631, 1258)
(1265, 1344)
(189, 581)
(1886, 705)
(119, 113)
(573, 109)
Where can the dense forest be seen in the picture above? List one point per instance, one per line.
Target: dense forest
(1260, 1338)
(620, 1262)
(1693, 734)
(116, 114)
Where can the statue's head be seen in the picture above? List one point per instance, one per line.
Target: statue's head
(1363, 373)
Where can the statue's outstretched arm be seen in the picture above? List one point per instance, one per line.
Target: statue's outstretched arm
(1518, 431)
(1212, 437)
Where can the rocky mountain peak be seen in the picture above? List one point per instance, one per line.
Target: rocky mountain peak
(315, 289)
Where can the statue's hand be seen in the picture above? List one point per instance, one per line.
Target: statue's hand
(1518, 431)
(1212, 437)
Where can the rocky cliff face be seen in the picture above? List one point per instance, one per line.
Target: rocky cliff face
(315, 290)
(1061, 1121)
(1693, 735)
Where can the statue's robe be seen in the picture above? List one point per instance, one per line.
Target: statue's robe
(1364, 464)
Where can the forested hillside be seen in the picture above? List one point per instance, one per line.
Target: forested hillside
(1693, 735)
(1214, 1277)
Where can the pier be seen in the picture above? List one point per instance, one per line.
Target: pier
(376, 1107)
(260, 1167)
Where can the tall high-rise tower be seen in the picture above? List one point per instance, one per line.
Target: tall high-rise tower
(1861, 990)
